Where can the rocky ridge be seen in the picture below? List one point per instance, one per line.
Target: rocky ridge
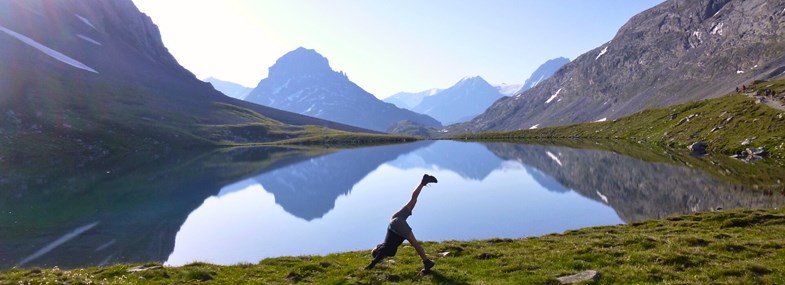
(676, 52)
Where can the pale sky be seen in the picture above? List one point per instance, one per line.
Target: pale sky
(387, 46)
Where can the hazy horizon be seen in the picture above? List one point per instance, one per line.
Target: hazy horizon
(384, 47)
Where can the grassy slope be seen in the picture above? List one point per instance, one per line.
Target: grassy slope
(737, 118)
(99, 135)
(717, 247)
(261, 130)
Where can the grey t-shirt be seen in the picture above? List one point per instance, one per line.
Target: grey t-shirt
(398, 222)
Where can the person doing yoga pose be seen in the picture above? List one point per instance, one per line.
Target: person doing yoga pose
(398, 230)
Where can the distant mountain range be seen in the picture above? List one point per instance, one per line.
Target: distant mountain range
(545, 71)
(411, 101)
(230, 89)
(408, 100)
(92, 77)
(461, 102)
(676, 52)
(303, 82)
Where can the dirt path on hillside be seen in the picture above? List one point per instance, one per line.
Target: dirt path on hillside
(775, 102)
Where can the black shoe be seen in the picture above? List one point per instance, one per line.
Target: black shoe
(428, 179)
(428, 264)
(373, 262)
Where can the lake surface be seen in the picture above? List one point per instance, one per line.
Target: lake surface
(245, 205)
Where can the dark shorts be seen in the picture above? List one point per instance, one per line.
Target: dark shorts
(390, 245)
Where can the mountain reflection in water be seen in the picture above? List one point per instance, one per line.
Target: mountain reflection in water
(243, 205)
(342, 201)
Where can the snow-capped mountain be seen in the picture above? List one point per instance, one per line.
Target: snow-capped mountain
(508, 89)
(408, 100)
(230, 89)
(461, 102)
(303, 82)
(545, 71)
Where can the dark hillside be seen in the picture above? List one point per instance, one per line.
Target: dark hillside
(93, 77)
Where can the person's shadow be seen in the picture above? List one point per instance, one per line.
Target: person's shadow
(438, 278)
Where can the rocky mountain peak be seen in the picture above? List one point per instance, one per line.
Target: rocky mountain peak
(302, 81)
(300, 61)
(472, 82)
(675, 52)
(461, 102)
(123, 20)
(543, 72)
(110, 29)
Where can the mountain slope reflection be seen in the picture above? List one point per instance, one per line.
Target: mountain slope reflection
(308, 189)
(636, 189)
(118, 210)
(469, 160)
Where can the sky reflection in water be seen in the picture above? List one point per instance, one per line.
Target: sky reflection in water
(478, 196)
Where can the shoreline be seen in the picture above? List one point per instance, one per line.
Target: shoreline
(738, 246)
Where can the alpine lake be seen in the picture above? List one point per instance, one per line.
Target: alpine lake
(243, 205)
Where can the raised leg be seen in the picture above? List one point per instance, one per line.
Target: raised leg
(425, 180)
(413, 200)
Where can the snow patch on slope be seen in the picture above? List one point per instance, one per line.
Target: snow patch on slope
(48, 51)
(603, 51)
(553, 156)
(89, 39)
(86, 21)
(286, 84)
(63, 239)
(603, 197)
(553, 97)
(541, 79)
